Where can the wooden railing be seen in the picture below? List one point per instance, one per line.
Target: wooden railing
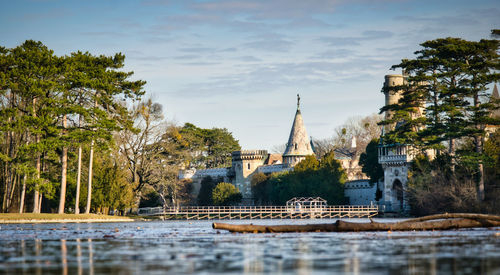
(255, 212)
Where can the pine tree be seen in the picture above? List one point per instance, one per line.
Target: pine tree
(30, 72)
(42, 96)
(448, 80)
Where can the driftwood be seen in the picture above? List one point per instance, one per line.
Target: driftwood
(433, 222)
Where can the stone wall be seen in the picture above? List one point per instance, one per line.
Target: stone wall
(360, 192)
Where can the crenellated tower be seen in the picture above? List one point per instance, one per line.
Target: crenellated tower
(244, 165)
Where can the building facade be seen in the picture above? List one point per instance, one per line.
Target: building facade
(246, 163)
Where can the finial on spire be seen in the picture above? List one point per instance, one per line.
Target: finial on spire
(298, 101)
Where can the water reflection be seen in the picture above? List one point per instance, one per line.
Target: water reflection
(189, 248)
(38, 249)
(351, 265)
(79, 256)
(91, 257)
(303, 259)
(64, 257)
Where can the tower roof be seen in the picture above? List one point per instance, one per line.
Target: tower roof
(298, 142)
(495, 96)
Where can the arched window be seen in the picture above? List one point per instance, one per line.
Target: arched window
(295, 146)
(249, 166)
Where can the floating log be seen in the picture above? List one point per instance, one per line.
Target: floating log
(434, 222)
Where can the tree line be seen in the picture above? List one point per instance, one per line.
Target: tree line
(51, 104)
(75, 119)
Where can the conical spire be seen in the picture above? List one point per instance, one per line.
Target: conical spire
(495, 96)
(298, 146)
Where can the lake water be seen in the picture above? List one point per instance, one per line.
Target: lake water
(193, 247)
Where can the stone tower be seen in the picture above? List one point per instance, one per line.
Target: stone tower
(394, 158)
(299, 145)
(392, 96)
(244, 165)
(393, 92)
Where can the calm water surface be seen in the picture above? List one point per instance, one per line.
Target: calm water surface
(193, 247)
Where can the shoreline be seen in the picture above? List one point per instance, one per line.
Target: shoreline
(12, 218)
(64, 221)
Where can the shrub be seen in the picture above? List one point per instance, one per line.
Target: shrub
(226, 194)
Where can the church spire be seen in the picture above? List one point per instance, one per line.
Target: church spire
(298, 102)
(495, 96)
(299, 144)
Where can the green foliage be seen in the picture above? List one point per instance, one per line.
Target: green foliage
(369, 161)
(110, 186)
(309, 164)
(445, 99)
(492, 173)
(226, 194)
(495, 33)
(39, 91)
(258, 185)
(205, 194)
(213, 147)
(310, 178)
(450, 76)
(492, 150)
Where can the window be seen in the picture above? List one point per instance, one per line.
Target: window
(249, 166)
(295, 146)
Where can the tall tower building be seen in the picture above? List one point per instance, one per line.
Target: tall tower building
(299, 144)
(392, 94)
(394, 158)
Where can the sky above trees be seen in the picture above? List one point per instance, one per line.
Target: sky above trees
(240, 64)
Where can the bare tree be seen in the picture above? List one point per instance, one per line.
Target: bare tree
(278, 149)
(350, 138)
(356, 133)
(171, 154)
(322, 146)
(133, 143)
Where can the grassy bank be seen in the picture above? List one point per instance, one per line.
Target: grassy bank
(44, 217)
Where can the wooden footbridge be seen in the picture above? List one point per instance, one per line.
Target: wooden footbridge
(260, 212)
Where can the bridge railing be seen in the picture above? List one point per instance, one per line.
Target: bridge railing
(254, 209)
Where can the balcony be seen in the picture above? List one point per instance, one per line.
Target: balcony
(394, 154)
(393, 158)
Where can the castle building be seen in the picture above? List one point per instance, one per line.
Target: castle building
(246, 163)
(394, 158)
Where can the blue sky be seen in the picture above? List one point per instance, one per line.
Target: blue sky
(239, 64)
